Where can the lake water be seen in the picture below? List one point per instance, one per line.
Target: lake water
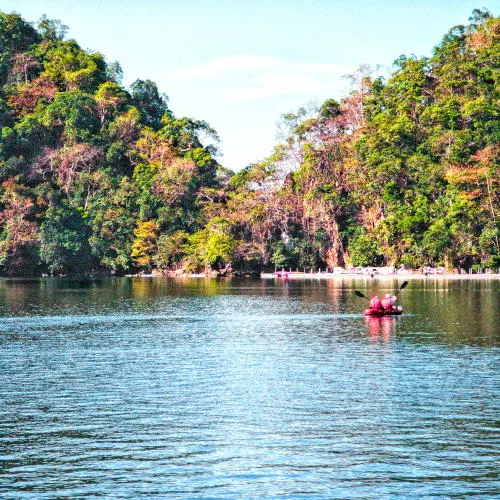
(142, 388)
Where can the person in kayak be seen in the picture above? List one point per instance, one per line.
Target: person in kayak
(376, 304)
(388, 303)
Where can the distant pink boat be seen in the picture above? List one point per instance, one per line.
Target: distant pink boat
(286, 275)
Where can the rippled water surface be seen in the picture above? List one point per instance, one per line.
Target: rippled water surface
(141, 388)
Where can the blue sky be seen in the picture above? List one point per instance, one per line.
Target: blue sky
(240, 64)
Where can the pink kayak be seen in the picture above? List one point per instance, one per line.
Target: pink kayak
(377, 313)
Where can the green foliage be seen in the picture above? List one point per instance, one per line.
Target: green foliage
(151, 104)
(69, 67)
(241, 178)
(16, 35)
(72, 115)
(64, 245)
(144, 247)
(96, 177)
(109, 98)
(145, 175)
(220, 245)
(114, 72)
(364, 250)
(296, 253)
(442, 116)
(212, 247)
(330, 109)
(280, 257)
(172, 250)
(51, 29)
(111, 216)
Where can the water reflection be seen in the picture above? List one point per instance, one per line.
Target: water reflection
(381, 329)
(225, 388)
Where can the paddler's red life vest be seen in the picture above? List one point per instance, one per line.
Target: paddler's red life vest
(387, 304)
(375, 304)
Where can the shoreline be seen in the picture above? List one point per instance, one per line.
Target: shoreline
(269, 276)
(368, 277)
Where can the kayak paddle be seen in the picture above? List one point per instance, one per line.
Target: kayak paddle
(402, 287)
(359, 294)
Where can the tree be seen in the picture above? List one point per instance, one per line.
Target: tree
(70, 117)
(111, 214)
(211, 248)
(51, 29)
(172, 250)
(24, 66)
(66, 164)
(109, 97)
(64, 245)
(399, 171)
(144, 246)
(70, 67)
(16, 36)
(18, 231)
(151, 104)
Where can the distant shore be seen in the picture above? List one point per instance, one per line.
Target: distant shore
(338, 276)
(293, 275)
(403, 276)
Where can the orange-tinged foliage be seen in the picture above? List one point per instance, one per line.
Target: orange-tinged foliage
(486, 37)
(154, 149)
(66, 163)
(466, 174)
(173, 180)
(23, 66)
(401, 171)
(15, 218)
(488, 155)
(30, 94)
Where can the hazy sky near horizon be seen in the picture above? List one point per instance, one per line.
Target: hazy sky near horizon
(239, 65)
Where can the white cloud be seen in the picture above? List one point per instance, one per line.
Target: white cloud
(243, 96)
(257, 77)
(220, 66)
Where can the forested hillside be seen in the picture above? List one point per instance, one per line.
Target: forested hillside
(96, 177)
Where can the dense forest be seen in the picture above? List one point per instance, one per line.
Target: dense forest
(99, 178)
